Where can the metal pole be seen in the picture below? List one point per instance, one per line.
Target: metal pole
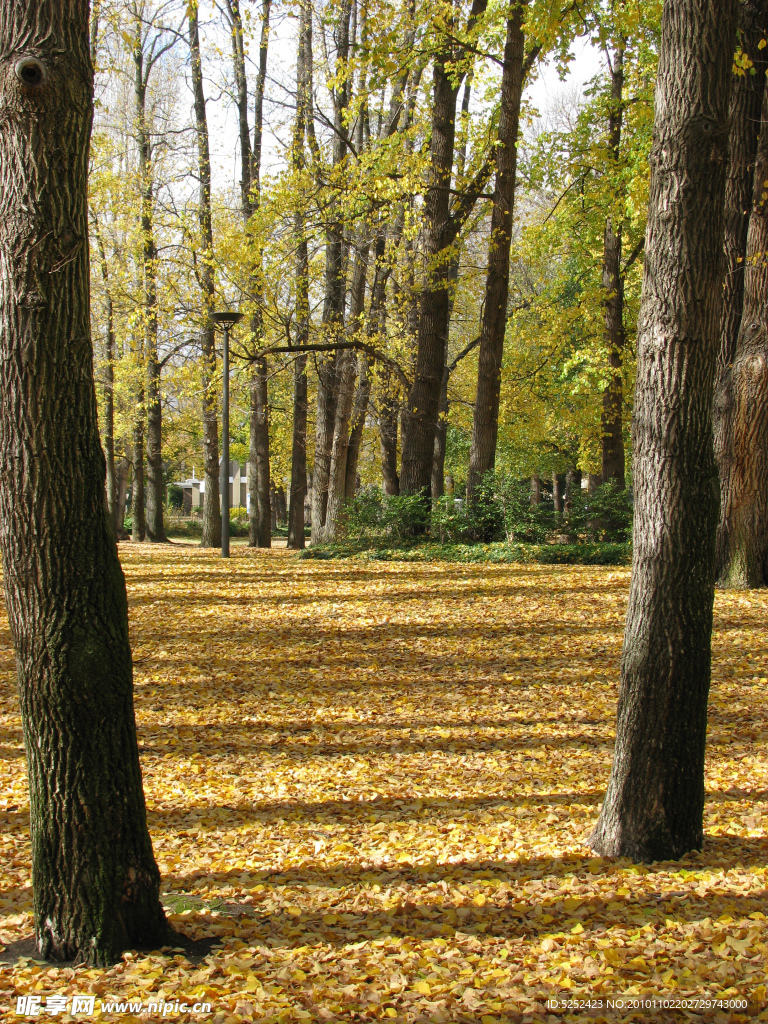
(224, 481)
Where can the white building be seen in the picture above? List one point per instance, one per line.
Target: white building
(194, 489)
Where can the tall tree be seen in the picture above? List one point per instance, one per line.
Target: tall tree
(653, 809)
(748, 90)
(296, 538)
(94, 878)
(613, 283)
(260, 517)
(441, 226)
(744, 489)
(146, 51)
(485, 426)
(212, 500)
(335, 282)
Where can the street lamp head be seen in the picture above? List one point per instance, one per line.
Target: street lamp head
(226, 317)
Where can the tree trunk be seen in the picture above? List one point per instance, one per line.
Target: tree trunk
(593, 482)
(94, 878)
(155, 475)
(138, 522)
(744, 490)
(337, 473)
(613, 283)
(440, 229)
(653, 809)
(437, 487)
(211, 499)
(359, 413)
(746, 102)
(109, 367)
(535, 489)
(558, 491)
(122, 490)
(333, 303)
(260, 520)
(296, 539)
(389, 415)
(485, 425)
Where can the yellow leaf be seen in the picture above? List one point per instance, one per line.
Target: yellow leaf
(422, 987)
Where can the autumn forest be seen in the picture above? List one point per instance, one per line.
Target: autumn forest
(383, 510)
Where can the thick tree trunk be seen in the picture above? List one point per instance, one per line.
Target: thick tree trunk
(744, 490)
(211, 500)
(613, 283)
(593, 482)
(746, 102)
(94, 878)
(485, 424)
(260, 520)
(654, 806)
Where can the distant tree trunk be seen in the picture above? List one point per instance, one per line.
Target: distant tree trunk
(593, 482)
(558, 491)
(211, 499)
(260, 528)
(298, 457)
(138, 522)
(259, 516)
(654, 806)
(296, 539)
(441, 439)
(359, 413)
(389, 414)
(337, 474)
(613, 283)
(282, 516)
(122, 491)
(155, 529)
(535, 489)
(746, 100)
(333, 303)
(485, 424)
(94, 879)
(572, 485)
(109, 367)
(440, 230)
(744, 512)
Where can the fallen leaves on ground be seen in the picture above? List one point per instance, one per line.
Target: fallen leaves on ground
(373, 784)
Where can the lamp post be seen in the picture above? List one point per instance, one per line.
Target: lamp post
(227, 320)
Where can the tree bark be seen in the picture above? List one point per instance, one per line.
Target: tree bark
(437, 485)
(260, 523)
(558, 491)
(333, 303)
(211, 500)
(359, 413)
(109, 352)
(748, 91)
(296, 539)
(138, 522)
(337, 474)
(485, 424)
(535, 489)
(613, 283)
(94, 878)
(744, 490)
(440, 229)
(155, 487)
(389, 416)
(653, 809)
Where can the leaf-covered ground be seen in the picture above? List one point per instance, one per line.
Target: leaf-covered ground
(373, 784)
